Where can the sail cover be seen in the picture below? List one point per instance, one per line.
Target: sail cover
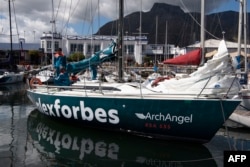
(190, 58)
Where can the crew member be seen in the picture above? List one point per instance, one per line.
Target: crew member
(59, 61)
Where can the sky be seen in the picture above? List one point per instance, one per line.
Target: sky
(31, 18)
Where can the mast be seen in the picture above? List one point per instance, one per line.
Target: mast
(156, 42)
(202, 43)
(166, 44)
(140, 34)
(52, 34)
(240, 28)
(243, 14)
(120, 40)
(245, 33)
(11, 45)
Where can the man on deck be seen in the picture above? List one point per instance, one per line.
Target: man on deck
(59, 61)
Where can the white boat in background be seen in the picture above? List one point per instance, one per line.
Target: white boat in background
(9, 72)
(10, 77)
(242, 113)
(241, 116)
(245, 94)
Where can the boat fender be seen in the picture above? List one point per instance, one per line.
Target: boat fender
(35, 81)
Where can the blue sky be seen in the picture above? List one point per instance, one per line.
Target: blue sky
(230, 5)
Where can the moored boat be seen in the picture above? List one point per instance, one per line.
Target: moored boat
(242, 114)
(10, 77)
(162, 112)
(189, 109)
(9, 72)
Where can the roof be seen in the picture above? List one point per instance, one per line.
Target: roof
(214, 43)
(16, 46)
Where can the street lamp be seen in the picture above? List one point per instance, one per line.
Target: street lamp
(126, 42)
(34, 33)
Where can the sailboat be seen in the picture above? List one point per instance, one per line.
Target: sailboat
(242, 114)
(194, 115)
(8, 70)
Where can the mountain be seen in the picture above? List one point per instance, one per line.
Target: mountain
(182, 29)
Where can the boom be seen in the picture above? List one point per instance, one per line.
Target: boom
(96, 59)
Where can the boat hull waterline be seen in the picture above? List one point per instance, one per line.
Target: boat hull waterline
(161, 117)
(78, 146)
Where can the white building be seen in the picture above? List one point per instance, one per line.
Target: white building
(90, 44)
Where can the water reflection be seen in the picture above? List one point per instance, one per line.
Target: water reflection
(14, 108)
(13, 94)
(78, 146)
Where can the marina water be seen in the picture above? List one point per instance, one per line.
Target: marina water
(29, 139)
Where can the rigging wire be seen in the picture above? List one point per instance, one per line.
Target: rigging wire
(55, 16)
(15, 19)
(63, 18)
(59, 4)
(90, 17)
(116, 22)
(83, 21)
(71, 12)
(67, 22)
(98, 10)
(1, 16)
(91, 20)
(196, 20)
(127, 20)
(93, 16)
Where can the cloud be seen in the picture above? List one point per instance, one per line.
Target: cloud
(33, 17)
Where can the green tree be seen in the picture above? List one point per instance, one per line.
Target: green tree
(77, 56)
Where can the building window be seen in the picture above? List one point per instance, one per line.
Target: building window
(76, 47)
(49, 49)
(56, 45)
(129, 49)
(48, 44)
(89, 49)
(72, 47)
(80, 47)
(92, 49)
(97, 48)
(43, 45)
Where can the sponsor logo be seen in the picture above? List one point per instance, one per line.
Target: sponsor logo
(166, 117)
(81, 111)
